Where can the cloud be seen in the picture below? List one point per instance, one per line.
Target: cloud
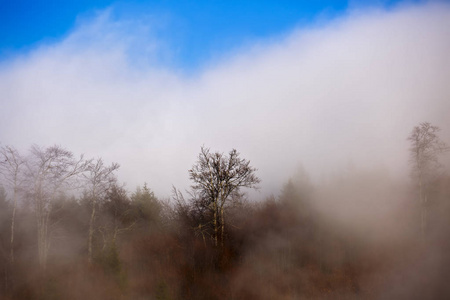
(346, 91)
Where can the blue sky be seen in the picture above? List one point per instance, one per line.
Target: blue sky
(195, 31)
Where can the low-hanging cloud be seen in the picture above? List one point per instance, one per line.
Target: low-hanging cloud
(346, 91)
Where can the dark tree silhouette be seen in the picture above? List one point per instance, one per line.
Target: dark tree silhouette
(425, 149)
(216, 178)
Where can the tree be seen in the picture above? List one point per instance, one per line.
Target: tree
(116, 218)
(48, 172)
(217, 178)
(99, 179)
(425, 149)
(146, 206)
(11, 166)
(297, 191)
(117, 208)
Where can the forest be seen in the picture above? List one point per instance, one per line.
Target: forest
(70, 230)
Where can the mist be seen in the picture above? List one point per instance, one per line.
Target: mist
(322, 112)
(343, 91)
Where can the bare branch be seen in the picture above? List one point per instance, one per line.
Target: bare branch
(216, 177)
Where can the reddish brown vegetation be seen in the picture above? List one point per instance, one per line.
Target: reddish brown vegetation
(288, 247)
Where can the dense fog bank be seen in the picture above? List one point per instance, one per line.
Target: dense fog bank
(356, 235)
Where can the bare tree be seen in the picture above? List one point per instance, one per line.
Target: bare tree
(216, 178)
(99, 179)
(11, 166)
(50, 171)
(425, 149)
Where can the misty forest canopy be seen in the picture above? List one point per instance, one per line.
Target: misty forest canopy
(70, 230)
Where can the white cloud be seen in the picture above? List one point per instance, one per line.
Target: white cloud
(349, 90)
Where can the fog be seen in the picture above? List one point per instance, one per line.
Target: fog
(323, 113)
(339, 92)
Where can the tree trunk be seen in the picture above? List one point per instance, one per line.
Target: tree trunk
(12, 224)
(423, 210)
(424, 222)
(91, 232)
(43, 237)
(222, 224)
(46, 241)
(215, 224)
